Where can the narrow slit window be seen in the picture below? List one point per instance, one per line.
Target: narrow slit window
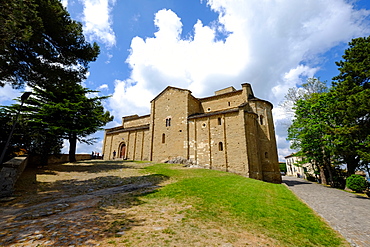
(228, 103)
(220, 146)
(261, 120)
(163, 138)
(168, 122)
(219, 121)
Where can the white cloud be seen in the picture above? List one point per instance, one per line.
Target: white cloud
(64, 3)
(98, 21)
(265, 43)
(101, 87)
(7, 94)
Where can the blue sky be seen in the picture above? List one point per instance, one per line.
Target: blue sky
(206, 45)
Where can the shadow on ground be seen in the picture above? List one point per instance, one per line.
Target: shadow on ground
(294, 182)
(73, 212)
(91, 166)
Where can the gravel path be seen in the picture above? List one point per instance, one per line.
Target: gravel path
(347, 213)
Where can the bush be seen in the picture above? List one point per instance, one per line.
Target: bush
(310, 177)
(356, 183)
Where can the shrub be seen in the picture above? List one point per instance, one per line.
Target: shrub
(356, 183)
(310, 177)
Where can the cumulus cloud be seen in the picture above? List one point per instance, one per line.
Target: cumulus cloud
(98, 22)
(271, 44)
(64, 3)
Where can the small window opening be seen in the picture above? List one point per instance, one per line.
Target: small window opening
(219, 121)
(220, 146)
(168, 122)
(266, 155)
(204, 125)
(209, 109)
(261, 120)
(163, 138)
(228, 103)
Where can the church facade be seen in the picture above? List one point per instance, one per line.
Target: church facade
(231, 131)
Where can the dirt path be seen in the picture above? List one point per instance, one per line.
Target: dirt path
(65, 204)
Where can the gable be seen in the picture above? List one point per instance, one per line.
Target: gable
(168, 89)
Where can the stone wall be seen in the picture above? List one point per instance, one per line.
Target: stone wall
(62, 158)
(12, 169)
(9, 173)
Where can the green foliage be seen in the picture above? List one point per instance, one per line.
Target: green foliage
(355, 66)
(282, 167)
(39, 41)
(63, 111)
(310, 177)
(68, 112)
(311, 131)
(334, 126)
(42, 46)
(29, 136)
(357, 183)
(351, 90)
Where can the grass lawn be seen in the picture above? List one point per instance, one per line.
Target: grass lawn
(235, 205)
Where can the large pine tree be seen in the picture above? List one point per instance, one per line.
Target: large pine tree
(38, 36)
(68, 112)
(351, 89)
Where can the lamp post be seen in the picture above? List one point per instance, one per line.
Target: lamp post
(24, 97)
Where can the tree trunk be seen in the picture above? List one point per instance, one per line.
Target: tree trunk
(323, 175)
(72, 147)
(44, 158)
(327, 164)
(328, 168)
(352, 164)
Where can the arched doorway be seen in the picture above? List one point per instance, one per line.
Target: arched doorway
(122, 150)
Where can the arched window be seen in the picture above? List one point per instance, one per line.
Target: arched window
(220, 146)
(163, 138)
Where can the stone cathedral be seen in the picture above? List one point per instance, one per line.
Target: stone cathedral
(230, 131)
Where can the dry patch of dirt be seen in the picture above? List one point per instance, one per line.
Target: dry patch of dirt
(99, 203)
(166, 223)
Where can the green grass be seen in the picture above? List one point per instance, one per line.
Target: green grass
(236, 201)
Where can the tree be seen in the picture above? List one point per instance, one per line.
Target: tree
(351, 88)
(38, 37)
(311, 130)
(29, 136)
(68, 112)
(312, 85)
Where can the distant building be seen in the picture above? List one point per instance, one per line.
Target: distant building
(230, 131)
(295, 168)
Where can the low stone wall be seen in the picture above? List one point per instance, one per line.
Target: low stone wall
(12, 169)
(9, 173)
(63, 158)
